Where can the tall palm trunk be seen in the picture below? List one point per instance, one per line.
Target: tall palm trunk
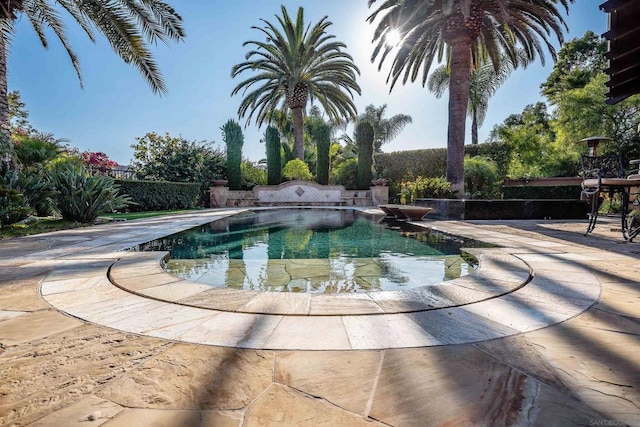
(474, 127)
(458, 102)
(6, 148)
(298, 132)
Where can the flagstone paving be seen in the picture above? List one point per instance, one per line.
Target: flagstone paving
(547, 332)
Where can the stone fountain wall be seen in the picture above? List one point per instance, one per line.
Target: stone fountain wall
(298, 193)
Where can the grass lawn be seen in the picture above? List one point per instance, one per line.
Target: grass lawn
(45, 225)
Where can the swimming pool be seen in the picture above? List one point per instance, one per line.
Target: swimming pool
(311, 250)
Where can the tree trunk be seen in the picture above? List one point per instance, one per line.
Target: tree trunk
(298, 130)
(6, 147)
(458, 100)
(474, 128)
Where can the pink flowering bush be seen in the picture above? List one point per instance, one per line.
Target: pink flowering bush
(97, 160)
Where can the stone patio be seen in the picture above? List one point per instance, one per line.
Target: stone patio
(546, 333)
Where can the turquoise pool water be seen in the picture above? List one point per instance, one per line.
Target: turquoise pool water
(311, 250)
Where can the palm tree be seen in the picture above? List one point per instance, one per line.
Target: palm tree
(384, 129)
(465, 27)
(128, 25)
(293, 66)
(485, 81)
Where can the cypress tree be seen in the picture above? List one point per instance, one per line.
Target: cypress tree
(364, 139)
(233, 138)
(322, 136)
(274, 158)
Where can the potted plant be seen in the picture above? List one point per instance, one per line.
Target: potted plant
(220, 182)
(379, 182)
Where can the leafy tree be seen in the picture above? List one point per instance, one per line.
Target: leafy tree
(252, 175)
(293, 65)
(337, 155)
(579, 61)
(346, 174)
(537, 113)
(485, 81)
(582, 112)
(364, 138)
(467, 28)
(176, 159)
(18, 115)
(533, 144)
(274, 158)
(128, 26)
(233, 138)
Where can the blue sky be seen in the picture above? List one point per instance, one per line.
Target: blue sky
(116, 105)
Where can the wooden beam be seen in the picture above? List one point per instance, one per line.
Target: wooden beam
(612, 5)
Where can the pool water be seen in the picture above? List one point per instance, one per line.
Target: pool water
(311, 250)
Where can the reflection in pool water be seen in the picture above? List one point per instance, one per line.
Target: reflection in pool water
(310, 250)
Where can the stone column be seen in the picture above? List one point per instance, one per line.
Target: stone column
(380, 195)
(218, 197)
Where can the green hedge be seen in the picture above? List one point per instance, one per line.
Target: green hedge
(542, 192)
(401, 166)
(160, 195)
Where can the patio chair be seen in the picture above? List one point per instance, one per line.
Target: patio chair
(606, 174)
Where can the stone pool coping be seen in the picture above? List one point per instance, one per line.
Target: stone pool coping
(559, 289)
(498, 274)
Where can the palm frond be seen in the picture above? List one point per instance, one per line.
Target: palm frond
(128, 25)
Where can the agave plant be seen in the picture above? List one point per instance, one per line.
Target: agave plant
(38, 192)
(13, 205)
(83, 197)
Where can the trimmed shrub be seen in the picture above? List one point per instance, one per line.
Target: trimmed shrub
(322, 133)
(232, 135)
(274, 158)
(160, 195)
(297, 169)
(364, 139)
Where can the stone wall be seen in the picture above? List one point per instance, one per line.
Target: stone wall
(298, 193)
